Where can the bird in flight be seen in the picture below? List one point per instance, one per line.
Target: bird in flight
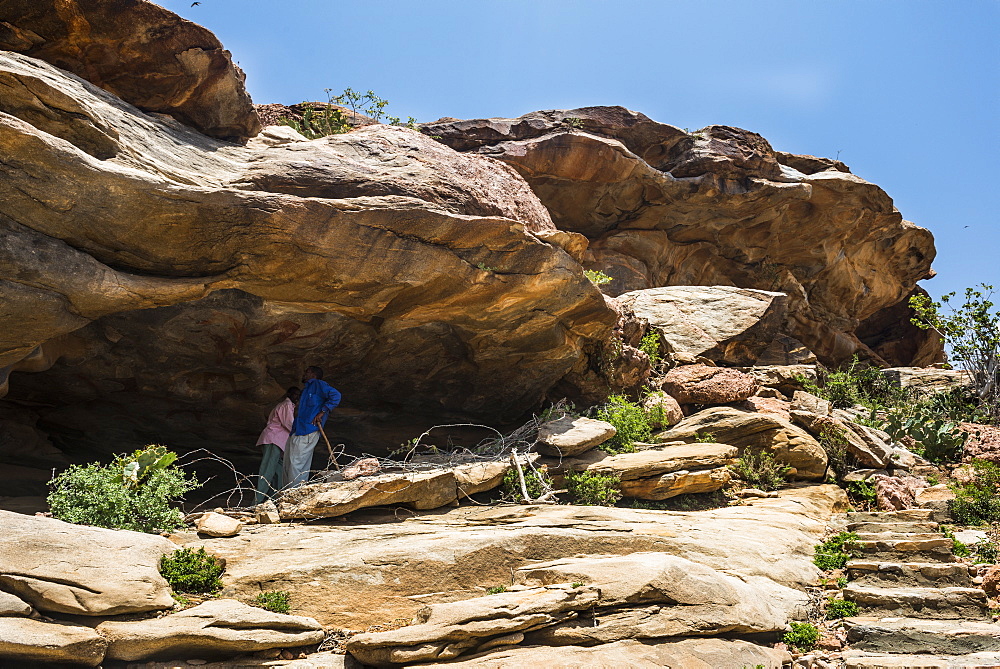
(195, 4)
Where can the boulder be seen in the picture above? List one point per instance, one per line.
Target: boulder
(91, 571)
(569, 435)
(936, 497)
(661, 472)
(893, 493)
(926, 381)
(662, 409)
(726, 324)
(141, 52)
(421, 490)
(445, 631)
(784, 378)
(410, 560)
(13, 606)
(701, 384)
(40, 643)
(787, 443)
(362, 467)
(653, 595)
(777, 406)
(687, 653)
(218, 525)
(803, 401)
(991, 581)
(114, 324)
(983, 443)
(719, 207)
(864, 444)
(216, 627)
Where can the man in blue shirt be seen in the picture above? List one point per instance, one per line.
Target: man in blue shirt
(317, 400)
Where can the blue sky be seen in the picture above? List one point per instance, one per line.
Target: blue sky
(906, 92)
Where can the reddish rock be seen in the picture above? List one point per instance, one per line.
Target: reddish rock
(893, 493)
(983, 444)
(141, 52)
(769, 405)
(363, 467)
(991, 581)
(701, 384)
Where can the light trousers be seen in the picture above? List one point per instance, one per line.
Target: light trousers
(298, 458)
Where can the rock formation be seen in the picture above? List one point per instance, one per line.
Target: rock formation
(641, 192)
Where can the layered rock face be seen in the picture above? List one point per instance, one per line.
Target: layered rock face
(165, 274)
(664, 207)
(142, 53)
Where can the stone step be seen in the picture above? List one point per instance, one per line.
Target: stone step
(863, 660)
(929, 574)
(917, 602)
(913, 635)
(900, 536)
(937, 549)
(904, 516)
(892, 527)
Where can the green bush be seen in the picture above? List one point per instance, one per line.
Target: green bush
(276, 601)
(650, 345)
(802, 637)
(855, 383)
(629, 419)
(760, 470)
(986, 551)
(958, 549)
(841, 608)
(862, 493)
(978, 502)
(597, 276)
(496, 589)
(134, 492)
(937, 439)
(834, 443)
(191, 571)
(593, 489)
(835, 551)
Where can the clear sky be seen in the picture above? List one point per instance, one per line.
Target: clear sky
(906, 92)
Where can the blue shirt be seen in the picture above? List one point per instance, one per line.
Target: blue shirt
(317, 396)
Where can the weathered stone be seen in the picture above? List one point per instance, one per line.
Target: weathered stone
(37, 642)
(701, 384)
(13, 606)
(218, 525)
(786, 442)
(688, 653)
(680, 482)
(803, 401)
(414, 559)
(936, 498)
(569, 435)
(640, 190)
(925, 381)
(65, 568)
(722, 323)
(421, 490)
(862, 443)
(142, 311)
(662, 409)
(983, 443)
(785, 350)
(893, 493)
(991, 581)
(141, 52)
(785, 378)
(913, 635)
(444, 631)
(216, 627)
(690, 599)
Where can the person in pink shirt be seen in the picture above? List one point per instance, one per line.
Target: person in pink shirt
(273, 439)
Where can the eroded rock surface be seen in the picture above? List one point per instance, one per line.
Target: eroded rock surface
(639, 191)
(141, 52)
(41, 643)
(64, 568)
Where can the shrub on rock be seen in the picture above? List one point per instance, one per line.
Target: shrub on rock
(134, 492)
(191, 571)
(630, 422)
(593, 489)
(760, 470)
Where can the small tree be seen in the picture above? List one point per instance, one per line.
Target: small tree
(972, 330)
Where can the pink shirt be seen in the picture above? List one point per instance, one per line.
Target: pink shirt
(279, 425)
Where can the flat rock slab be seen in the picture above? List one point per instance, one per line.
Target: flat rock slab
(570, 435)
(411, 560)
(217, 627)
(11, 605)
(914, 635)
(863, 660)
(445, 631)
(950, 602)
(26, 640)
(689, 654)
(76, 569)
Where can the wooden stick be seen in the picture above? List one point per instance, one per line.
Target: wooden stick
(329, 449)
